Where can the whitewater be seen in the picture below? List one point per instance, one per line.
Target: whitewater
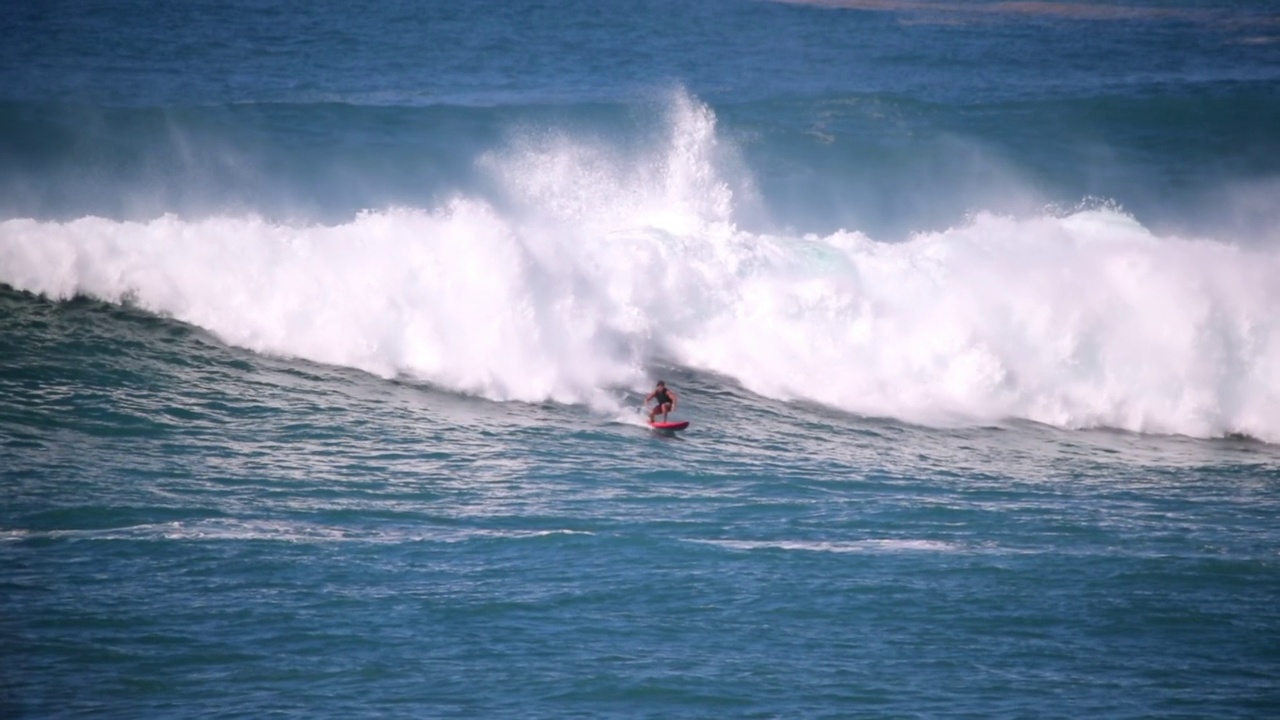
(596, 264)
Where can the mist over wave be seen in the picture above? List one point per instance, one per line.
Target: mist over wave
(596, 261)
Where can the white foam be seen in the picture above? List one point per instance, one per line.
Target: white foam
(1087, 320)
(837, 546)
(223, 529)
(610, 261)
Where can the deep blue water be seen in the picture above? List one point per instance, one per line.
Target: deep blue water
(323, 328)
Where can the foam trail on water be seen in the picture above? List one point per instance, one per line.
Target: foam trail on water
(610, 261)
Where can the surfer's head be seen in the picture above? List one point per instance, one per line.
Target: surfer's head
(661, 384)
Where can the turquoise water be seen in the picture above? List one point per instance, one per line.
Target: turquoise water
(323, 329)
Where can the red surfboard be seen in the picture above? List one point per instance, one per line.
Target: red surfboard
(669, 425)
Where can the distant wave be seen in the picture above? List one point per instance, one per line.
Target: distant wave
(1068, 10)
(885, 163)
(603, 265)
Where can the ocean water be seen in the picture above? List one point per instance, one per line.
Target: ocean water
(324, 329)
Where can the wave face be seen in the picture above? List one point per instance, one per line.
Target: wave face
(575, 263)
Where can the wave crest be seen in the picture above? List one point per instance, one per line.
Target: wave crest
(608, 264)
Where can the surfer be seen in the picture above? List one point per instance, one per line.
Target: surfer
(665, 398)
